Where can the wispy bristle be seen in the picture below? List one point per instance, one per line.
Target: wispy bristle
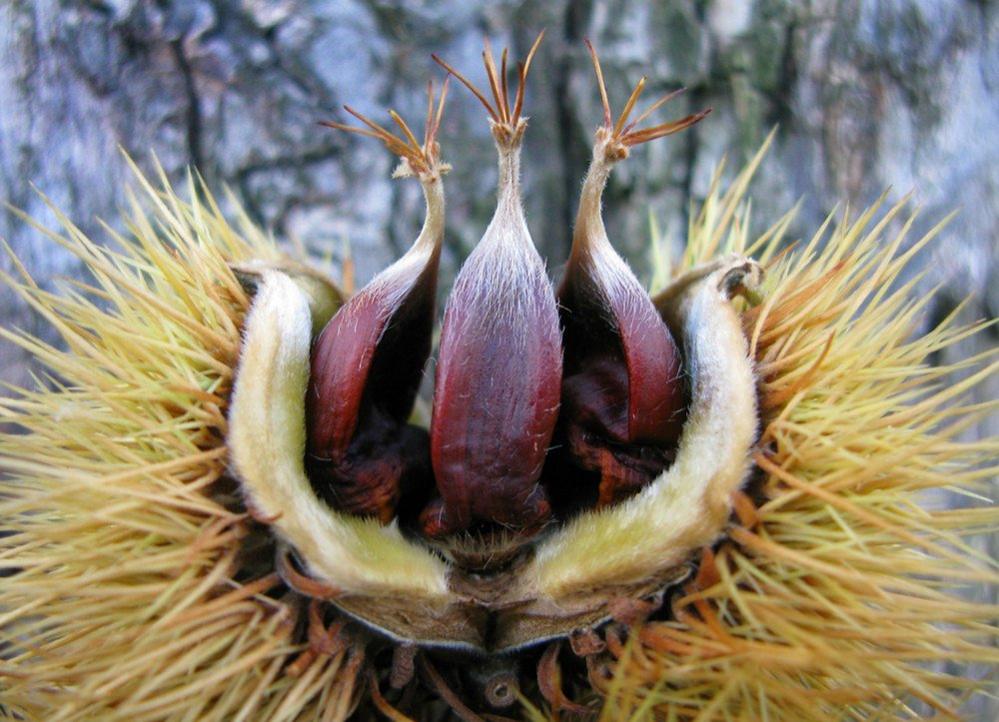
(470, 85)
(627, 133)
(653, 108)
(500, 100)
(601, 85)
(499, 108)
(422, 158)
(503, 79)
(523, 69)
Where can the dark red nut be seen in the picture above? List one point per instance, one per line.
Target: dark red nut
(623, 394)
(367, 363)
(500, 368)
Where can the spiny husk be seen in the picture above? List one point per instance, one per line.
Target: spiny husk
(833, 599)
(130, 598)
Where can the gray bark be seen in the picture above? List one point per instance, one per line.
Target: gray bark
(869, 94)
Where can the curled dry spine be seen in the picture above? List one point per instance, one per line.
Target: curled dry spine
(623, 393)
(367, 363)
(500, 363)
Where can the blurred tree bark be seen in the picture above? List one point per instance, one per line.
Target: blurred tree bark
(868, 95)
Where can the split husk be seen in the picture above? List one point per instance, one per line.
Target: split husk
(494, 414)
(833, 593)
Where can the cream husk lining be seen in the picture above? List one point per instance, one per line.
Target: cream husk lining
(267, 445)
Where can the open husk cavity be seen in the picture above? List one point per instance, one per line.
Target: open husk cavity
(803, 578)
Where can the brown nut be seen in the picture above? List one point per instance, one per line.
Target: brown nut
(623, 393)
(500, 365)
(367, 364)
